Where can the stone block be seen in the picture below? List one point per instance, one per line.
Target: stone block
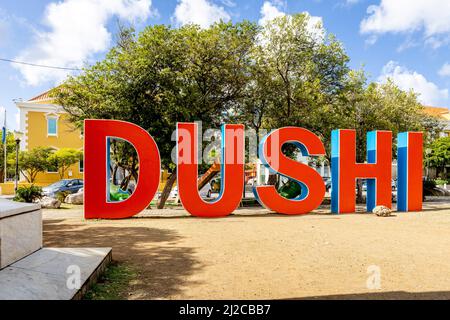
(20, 231)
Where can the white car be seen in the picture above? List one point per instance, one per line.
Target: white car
(205, 192)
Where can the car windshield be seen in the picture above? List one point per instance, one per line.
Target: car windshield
(58, 184)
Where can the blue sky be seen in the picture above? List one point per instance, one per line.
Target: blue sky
(405, 40)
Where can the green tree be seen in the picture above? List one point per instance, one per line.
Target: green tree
(10, 149)
(64, 158)
(297, 73)
(439, 155)
(288, 72)
(374, 106)
(31, 162)
(161, 77)
(307, 69)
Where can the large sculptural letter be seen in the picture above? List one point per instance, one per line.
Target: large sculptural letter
(232, 171)
(97, 134)
(409, 159)
(311, 183)
(345, 170)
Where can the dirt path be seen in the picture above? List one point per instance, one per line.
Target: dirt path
(272, 256)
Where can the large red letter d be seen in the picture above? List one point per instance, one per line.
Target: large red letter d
(96, 175)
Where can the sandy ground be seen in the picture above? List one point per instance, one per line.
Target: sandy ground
(270, 256)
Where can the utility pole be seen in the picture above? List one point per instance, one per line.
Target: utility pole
(4, 148)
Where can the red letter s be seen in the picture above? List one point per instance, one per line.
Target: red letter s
(311, 183)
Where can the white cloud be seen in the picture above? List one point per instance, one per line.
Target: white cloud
(429, 93)
(445, 70)
(229, 3)
(272, 9)
(269, 11)
(432, 17)
(77, 30)
(201, 12)
(371, 40)
(351, 2)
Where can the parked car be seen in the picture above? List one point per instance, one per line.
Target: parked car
(66, 185)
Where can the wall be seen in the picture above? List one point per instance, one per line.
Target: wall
(7, 189)
(67, 137)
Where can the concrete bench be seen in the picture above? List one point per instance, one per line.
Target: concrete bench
(20, 231)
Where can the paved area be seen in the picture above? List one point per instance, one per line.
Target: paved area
(53, 274)
(259, 255)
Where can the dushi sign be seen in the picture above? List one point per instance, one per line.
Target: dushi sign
(344, 170)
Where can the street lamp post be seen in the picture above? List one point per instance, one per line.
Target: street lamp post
(17, 137)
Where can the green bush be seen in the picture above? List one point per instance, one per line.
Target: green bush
(428, 187)
(61, 196)
(440, 182)
(429, 184)
(28, 194)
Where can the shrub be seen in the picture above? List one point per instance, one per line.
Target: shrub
(28, 194)
(440, 182)
(428, 187)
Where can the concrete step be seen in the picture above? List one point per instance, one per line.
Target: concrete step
(54, 274)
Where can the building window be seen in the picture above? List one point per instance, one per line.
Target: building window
(52, 126)
(81, 165)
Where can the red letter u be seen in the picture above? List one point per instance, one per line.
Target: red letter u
(232, 171)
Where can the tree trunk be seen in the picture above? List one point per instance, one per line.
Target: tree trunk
(114, 175)
(359, 195)
(167, 188)
(125, 182)
(26, 177)
(272, 180)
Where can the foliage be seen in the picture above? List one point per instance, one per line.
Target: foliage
(113, 284)
(439, 153)
(440, 182)
(428, 187)
(64, 158)
(32, 162)
(161, 77)
(287, 72)
(10, 149)
(28, 194)
(41, 159)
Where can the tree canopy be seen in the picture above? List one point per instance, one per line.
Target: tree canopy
(10, 147)
(64, 158)
(32, 162)
(287, 72)
(439, 154)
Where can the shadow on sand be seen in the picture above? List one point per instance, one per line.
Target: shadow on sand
(391, 295)
(162, 266)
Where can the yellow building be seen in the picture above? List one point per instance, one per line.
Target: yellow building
(45, 124)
